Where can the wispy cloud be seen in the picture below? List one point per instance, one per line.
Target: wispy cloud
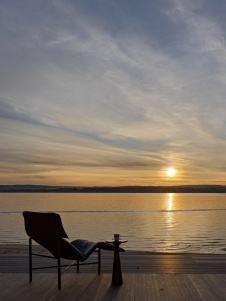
(80, 97)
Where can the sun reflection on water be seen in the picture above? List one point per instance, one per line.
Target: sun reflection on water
(169, 220)
(170, 201)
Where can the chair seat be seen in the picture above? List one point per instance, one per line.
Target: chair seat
(86, 247)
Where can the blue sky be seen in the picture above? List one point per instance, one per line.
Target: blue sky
(112, 92)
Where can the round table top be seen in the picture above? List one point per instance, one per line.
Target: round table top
(121, 241)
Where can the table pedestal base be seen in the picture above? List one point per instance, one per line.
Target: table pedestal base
(117, 272)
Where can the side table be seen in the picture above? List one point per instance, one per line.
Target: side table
(117, 272)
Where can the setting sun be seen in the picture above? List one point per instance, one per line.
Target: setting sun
(171, 172)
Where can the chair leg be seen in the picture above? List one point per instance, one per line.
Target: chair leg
(30, 259)
(77, 266)
(58, 263)
(59, 273)
(99, 261)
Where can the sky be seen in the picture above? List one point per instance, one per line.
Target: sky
(112, 93)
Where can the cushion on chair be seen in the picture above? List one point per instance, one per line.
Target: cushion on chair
(87, 247)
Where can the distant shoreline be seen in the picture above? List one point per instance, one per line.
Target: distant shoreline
(120, 189)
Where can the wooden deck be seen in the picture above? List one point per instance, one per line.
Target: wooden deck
(131, 263)
(146, 277)
(91, 287)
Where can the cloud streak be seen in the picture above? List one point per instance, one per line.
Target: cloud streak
(112, 100)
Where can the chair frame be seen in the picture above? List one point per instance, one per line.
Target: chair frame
(59, 266)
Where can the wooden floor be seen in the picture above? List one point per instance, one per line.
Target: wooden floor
(131, 263)
(91, 287)
(157, 277)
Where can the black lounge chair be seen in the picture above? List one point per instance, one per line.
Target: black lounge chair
(47, 230)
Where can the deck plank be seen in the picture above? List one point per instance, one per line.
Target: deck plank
(150, 287)
(204, 289)
(217, 284)
(186, 288)
(168, 263)
(168, 288)
(84, 287)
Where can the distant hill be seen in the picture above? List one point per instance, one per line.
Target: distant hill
(120, 189)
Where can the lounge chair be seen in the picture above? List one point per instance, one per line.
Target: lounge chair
(47, 230)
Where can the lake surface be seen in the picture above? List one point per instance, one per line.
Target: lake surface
(164, 222)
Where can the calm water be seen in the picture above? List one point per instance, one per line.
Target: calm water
(151, 222)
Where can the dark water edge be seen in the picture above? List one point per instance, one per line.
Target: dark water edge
(120, 189)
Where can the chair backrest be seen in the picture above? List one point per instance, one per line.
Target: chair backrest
(47, 230)
(43, 225)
